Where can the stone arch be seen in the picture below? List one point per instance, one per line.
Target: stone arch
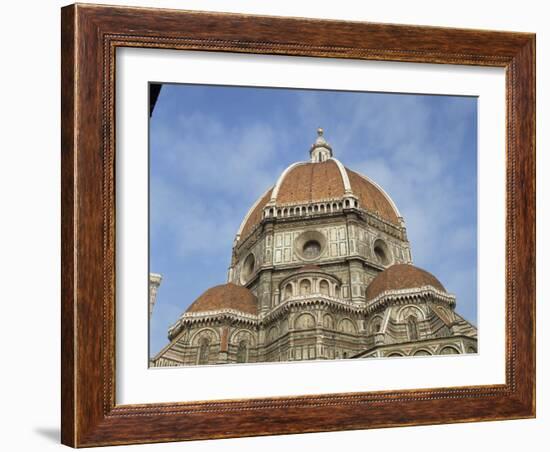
(328, 322)
(288, 291)
(395, 354)
(240, 335)
(347, 325)
(324, 287)
(210, 333)
(406, 311)
(304, 321)
(273, 334)
(449, 350)
(305, 286)
(422, 352)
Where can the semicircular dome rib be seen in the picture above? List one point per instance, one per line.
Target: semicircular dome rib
(308, 182)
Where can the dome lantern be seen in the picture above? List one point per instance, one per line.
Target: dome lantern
(320, 150)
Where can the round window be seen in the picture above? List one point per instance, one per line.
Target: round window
(311, 249)
(248, 268)
(381, 252)
(310, 245)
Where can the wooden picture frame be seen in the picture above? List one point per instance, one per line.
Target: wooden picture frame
(90, 36)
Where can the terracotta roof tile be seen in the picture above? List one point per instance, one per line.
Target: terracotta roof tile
(371, 198)
(311, 181)
(226, 296)
(256, 215)
(399, 277)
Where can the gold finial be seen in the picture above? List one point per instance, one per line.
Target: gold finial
(320, 131)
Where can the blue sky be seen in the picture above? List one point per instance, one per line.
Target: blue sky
(214, 150)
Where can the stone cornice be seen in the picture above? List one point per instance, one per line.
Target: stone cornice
(208, 316)
(371, 218)
(396, 296)
(309, 300)
(382, 301)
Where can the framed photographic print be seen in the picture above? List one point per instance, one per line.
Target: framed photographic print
(282, 225)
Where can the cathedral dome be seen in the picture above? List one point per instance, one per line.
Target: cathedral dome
(323, 179)
(400, 277)
(226, 296)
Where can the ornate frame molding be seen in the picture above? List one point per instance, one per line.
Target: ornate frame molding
(90, 36)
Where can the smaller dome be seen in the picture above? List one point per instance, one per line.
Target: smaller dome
(400, 277)
(226, 296)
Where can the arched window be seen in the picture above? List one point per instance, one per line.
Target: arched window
(288, 291)
(328, 322)
(394, 354)
(412, 328)
(305, 287)
(323, 287)
(347, 326)
(204, 350)
(422, 353)
(449, 351)
(304, 321)
(242, 352)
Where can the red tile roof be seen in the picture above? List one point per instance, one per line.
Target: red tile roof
(371, 198)
(399, 277)
(226, 296)
(311, 182)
